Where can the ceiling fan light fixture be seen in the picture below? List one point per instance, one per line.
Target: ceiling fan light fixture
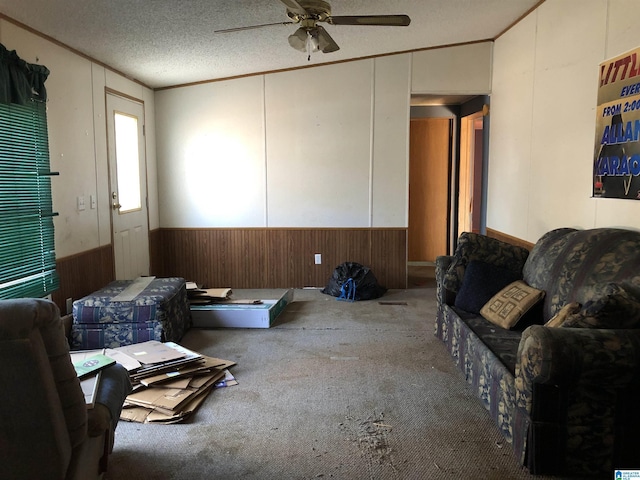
(311, 37)
(325, 42)
(313, 41)
(322, 43)
(298, 39)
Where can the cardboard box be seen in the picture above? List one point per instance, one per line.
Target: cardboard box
(220, 315)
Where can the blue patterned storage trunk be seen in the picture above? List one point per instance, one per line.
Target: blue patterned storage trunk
(159, 312)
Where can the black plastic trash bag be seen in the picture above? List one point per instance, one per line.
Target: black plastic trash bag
(352, 281)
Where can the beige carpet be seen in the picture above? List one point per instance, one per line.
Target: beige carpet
(335, 390)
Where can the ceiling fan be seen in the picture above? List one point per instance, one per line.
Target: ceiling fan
(311, 37)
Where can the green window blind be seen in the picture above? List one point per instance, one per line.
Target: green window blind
(27, 254)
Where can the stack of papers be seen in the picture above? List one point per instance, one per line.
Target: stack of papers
(169, 380)
(210, 296)
(206, 296)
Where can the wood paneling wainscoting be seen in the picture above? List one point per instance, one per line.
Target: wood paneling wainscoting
(83, 274)
(277, 257)
(509, 239)
(246, 258)
(154, 251)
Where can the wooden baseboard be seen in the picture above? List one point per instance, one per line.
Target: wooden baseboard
(509, 239)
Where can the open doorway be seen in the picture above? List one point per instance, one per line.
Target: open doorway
(446, 196)
(470, 178)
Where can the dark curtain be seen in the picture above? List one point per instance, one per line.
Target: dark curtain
(20, 81)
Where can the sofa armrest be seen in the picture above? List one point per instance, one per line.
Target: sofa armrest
(575, 356)
(443, 295)
(576, 392)
(114, 386)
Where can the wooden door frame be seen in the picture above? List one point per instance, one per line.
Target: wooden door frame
(470, 172)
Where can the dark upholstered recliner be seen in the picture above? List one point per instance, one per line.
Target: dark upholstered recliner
(46, 429)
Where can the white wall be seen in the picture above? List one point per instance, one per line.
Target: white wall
(390, 146)
(211, 154)
(77, 138)
(464, 69)
(318, 147)
(543, 114)
(291, 149)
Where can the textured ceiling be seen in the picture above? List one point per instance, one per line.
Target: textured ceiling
(172, 42)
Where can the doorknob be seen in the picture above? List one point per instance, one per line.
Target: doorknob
(116, 206)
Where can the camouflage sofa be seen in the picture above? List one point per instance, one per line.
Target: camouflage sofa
(562, 384)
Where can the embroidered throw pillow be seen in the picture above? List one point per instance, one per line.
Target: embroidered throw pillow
(508, 306)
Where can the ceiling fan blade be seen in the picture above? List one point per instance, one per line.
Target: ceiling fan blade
(294, 7)
(379, 20)
(239, 29)
(326, 44)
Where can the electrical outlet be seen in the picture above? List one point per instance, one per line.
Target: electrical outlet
(318, 258)
(69, 305)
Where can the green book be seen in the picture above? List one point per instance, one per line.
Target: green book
(92, 365)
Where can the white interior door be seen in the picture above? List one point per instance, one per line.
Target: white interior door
(128, 183)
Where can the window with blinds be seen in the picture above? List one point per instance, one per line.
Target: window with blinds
(27, 254)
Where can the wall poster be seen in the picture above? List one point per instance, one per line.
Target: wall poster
(616, 166)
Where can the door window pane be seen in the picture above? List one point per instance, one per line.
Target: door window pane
(127, 162)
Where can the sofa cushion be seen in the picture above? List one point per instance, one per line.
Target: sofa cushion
(473, 246)
(502, 343)
(565, 260)
(509, 305)
(481, 282)
(611, 306)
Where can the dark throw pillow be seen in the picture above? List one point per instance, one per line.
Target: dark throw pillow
(482, 281)
(474, 246)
